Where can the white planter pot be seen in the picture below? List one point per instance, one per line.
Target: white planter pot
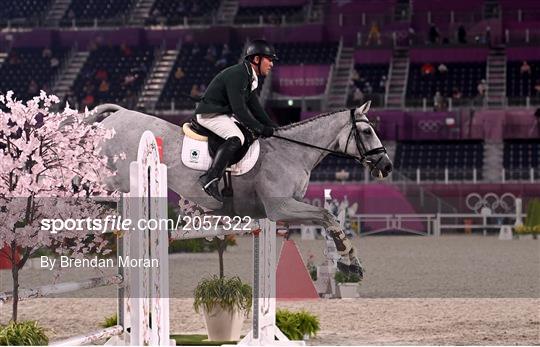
(348, 290)
(223, 325)
(526, 237)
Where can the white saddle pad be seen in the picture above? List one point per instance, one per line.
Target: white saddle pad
(195, 155)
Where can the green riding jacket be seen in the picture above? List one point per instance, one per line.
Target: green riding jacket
(230, 93)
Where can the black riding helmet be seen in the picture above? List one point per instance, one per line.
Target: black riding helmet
(260, 48)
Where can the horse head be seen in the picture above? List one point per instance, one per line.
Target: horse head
(360, 140)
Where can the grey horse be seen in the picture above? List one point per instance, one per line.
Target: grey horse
(276, 185)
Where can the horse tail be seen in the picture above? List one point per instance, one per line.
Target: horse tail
(101, 112)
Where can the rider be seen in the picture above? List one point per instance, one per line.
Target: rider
(230, 96)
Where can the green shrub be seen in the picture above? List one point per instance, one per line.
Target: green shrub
(533, 213)
(44, 251)
(197, 245)
(192, 245)
(229, 293)
(342, 277)
(297, 324)
(188, 246)
(110, 321)
(27, 333)
(313, 273)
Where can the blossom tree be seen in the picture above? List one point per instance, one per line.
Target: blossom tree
(50, 168)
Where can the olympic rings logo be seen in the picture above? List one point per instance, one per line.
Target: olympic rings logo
(505, 203)
(429, 126)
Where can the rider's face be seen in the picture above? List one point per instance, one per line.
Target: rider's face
(266, 65)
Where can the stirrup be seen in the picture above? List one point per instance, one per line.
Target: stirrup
(211, 187)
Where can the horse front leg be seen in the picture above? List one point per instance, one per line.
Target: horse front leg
(289, 210)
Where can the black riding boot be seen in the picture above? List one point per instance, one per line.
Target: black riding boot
(210, 180)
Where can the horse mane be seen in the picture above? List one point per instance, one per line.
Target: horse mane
(309, 120)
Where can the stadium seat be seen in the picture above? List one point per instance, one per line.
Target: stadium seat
(173, 12)
(519, 86)
(306, 53)
(462, 76)
(123, 69)
(28, 70)
(22, 12)
(199, 64)
(270, 14)
(105, 11)
(433, 157)
(519, 157)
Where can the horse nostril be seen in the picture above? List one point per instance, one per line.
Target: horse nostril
(388, 168)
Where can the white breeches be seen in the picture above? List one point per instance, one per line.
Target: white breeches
(222, 125)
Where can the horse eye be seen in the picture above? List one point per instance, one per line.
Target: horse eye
(367, 131)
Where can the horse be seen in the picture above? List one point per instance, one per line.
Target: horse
(275, 186)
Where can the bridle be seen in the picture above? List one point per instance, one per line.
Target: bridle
(360, 146)
(353, 134)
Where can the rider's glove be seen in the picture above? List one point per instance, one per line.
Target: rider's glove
(267, 132)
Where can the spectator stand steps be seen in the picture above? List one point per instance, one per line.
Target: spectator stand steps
(397, 79)
(57, 11)
(341, 78)
(141, 11)
(493, 161)
(161, 69)
(227, 11)
(66, 77)
(496, 78)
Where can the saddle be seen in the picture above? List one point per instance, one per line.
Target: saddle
(200, 146)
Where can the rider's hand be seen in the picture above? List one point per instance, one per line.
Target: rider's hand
(267, 131)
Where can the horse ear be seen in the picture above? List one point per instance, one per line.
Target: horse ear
(365, 107)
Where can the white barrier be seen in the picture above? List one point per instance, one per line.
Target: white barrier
(143, 293)
(143, 314)
(144, 299)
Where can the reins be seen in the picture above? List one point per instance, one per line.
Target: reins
(352, 134)
(339, 154)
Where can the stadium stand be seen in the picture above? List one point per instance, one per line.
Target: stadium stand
(22, 12)
(396, 54)
(175, 12)
(306, 53)
(522, 80)
(85, 13)
(433, 157)
(368, 83)
(194, 68)
(461, 77)
(26, 71)
(113, 74)
(270, 15)
(520, 155)
(333, 168)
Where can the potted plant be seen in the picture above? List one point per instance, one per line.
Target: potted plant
(23, 334)
(348, 284)
(300, 325)
(225, 302)
(531, 228)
